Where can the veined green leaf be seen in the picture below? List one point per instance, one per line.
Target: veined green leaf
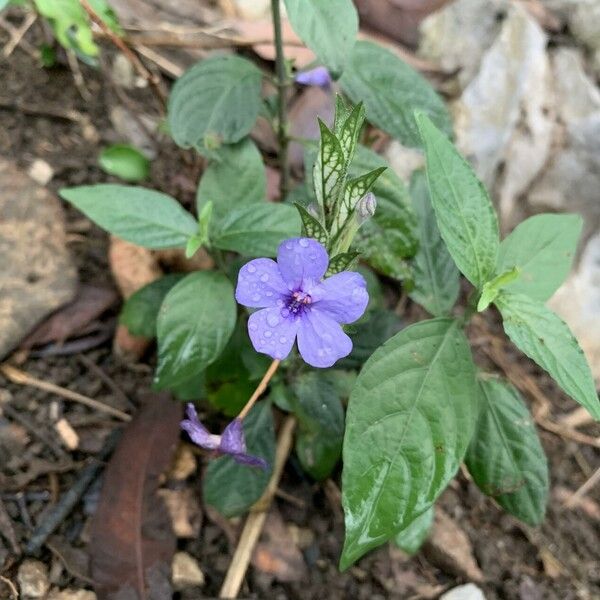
(350, 131)
(138, 215)
(542, 249)
(546, 339)
(505, 457)
(311, 226)
(412, 538)
(409, 421)
(341, 262)
(329, 171)
(196, 319)
(355, 189)
(435, 274)
(464, 212)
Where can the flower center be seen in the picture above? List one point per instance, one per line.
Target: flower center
(297, 302)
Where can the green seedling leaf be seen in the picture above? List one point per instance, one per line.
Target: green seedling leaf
(126, 162)
(492, 288)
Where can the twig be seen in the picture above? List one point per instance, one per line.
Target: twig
(7, 529)
(65, 505)
(12, 32)
(289, 498)
(11, 585)
(78, 76)
(576, 418)
(17, 376)
(260, 388)
(588, 485)
(41, 111)
(256, 518)
(282, 85)
(138, 65)
(109, 381)
(168, 66)
(18, 35)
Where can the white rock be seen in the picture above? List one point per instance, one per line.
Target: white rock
(457, 36)
(40, 171)
(489, 109)
(186, 572)
(253, 10)
(70, 594)
(33, 579)
(123, 72)
(403, 160)
(468, 591)
(577, 301)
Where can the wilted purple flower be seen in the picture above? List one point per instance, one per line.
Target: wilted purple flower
(231, 442)
(366, 206)
(319, 76)
(297, 301)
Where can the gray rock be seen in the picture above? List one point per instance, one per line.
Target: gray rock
(37, 274)
(577, 301)
(32, 578)
(186, 572)
(456, 36)
(468, 591)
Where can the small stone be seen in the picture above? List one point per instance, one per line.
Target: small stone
(468, 591)
(40, 171)
(71, 594)
(123, 72)
(186, 572)
(184, 463)
(33, 579)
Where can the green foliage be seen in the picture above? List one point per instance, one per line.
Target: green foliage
(436, 277)
(505, 457)
(318, 408)
(411, 539)
(196, 319)
(140, 311)
(409, 421)
(464, 212)
(256, 230)
(215, 102)
(233, 488)
(237, 179)
(391, 236)
(546, 339)
(542, 249)
(327, 27)
(126, 162)
(392, 91)
(138, 215)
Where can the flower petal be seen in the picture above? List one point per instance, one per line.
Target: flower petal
(343, 296)
(251, 461)
(321, 341)
(197, 432)
(271, 333)
(318, 76)
(232, 438)
(302, 262)
(260, 284)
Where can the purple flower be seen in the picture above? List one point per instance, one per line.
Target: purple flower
(231, 442)
(318, 76)
(297, 301)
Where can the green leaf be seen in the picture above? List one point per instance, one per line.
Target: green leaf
(237, 179)
(341, 262)
(257, 230)
(140, 311)
(546, 339)
(3, 4)
(196, 319)
(215, 102)
(411, 539)
(233, 488)
(318, 408)
(436, 277)
(355, 189)
(542, 248)
(463, 209)
(390, 236)
(350, 131)
(505, 457)
(311, 227)
(409, 421)
(329, 171)
(231, 396)
(125, 161)
(392, 91)
(138, 215)
(492, 288)
(327, 27)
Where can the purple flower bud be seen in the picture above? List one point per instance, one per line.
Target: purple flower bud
(231, 442)
(366, 206)
(319, 76)
(297, 303)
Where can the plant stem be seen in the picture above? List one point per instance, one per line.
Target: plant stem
(262, 386)
(282, 84)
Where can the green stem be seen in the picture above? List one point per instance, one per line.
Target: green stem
(282, 84)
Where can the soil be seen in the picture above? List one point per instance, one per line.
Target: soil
(560, 560)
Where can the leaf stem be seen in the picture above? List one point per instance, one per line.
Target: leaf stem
(282, 85)
(262, 386)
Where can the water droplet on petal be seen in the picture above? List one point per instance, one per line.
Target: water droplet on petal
(320, 352)
(251, 269)
(312, 256)
(280, 303)
(252, 326)
(268, 294)
(268, 333)
(264, 277)
(282, 339)
(285, 313)
(303, 242)
(272, 320)
(289, 246)
(256, 297)
(326, 337)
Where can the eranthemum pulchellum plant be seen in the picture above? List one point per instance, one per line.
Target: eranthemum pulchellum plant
(418, 406)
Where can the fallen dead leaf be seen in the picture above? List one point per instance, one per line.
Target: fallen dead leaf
(132, 543)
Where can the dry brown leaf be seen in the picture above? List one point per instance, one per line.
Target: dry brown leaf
(132, 543)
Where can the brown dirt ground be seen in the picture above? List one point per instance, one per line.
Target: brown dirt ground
(560, 560)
